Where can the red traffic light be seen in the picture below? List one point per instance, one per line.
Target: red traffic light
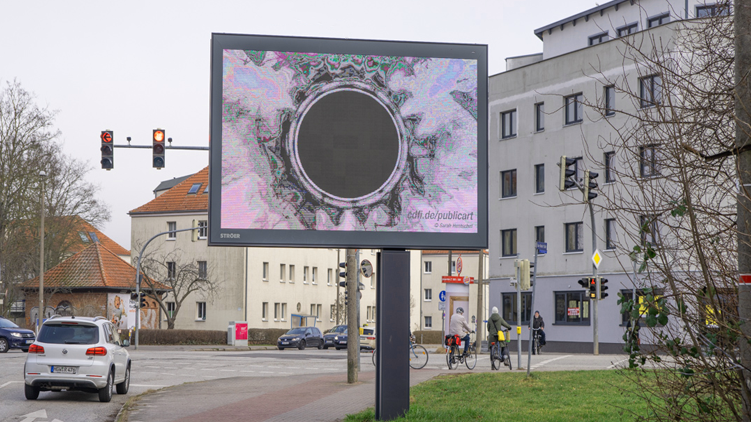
(106, 136)
(158, 135)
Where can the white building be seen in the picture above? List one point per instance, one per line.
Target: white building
(537, 116)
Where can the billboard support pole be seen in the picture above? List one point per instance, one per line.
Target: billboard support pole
(392, 334)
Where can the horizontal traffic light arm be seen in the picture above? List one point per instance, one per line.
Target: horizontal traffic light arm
(165, 147)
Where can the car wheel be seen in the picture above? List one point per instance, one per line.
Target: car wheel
(30, 392)
(280, 348)
(302, 345)
(320, 345)
(325, 347)
(105, 394)
(123, 387)
(26, 350)
(4, 346)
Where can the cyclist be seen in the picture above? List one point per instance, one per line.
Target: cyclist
(537, 322)
(495, 322)
(459, 327)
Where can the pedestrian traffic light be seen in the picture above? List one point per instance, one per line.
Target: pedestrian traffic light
(589, 185)
(584, 282)
(346, 298)
(157, 141)
(603, 287)
(567, 173)
(143, 300)
(343, 274)
(592, 288)
(108, 150)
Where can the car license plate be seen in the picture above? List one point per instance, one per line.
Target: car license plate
(63, 369)
(285, 342)
(29, 341)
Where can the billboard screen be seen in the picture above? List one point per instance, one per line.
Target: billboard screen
(347, 143)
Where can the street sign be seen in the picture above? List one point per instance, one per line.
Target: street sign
(597, 258)
(442, 296)
(366, 268)
(542, 247)
(441, 306)
(456, 279)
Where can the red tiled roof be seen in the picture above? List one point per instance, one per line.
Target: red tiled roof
(177, 199)
(79, 244)
(95, 266)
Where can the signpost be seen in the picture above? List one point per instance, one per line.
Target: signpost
(540, 247)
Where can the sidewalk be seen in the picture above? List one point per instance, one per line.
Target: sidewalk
(303, 398)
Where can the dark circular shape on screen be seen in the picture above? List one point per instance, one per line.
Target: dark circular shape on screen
(348, 144)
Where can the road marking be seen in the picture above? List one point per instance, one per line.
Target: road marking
(8, 383)
(609, 367)
(550, 360)
(148, 386)
(249, 371)
(30, 417)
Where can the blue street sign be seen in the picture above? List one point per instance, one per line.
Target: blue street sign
(542, 247)
(442, 296)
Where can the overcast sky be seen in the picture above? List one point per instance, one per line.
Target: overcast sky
(136, 66)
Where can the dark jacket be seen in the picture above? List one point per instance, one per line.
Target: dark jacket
(537, 322)
(495, 322)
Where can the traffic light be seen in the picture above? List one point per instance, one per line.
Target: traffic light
(524, 280)
(108, 150)
(343, 283)
(584, 282)
(143, 300)
(589, 184)
(603, 287)
(592, 288)
(343, 274)
(157, 141)
(194, 232)
(567, 173)
(346, 298)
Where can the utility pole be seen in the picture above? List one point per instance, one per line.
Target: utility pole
(480, 304)
(595, 334)
(338, 310)
(40, 314)
(353, 331)
(742, 36)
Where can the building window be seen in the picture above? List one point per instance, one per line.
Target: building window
(453, 267)
(313, 310)
(314, 276)
(329, 276)
(598, 38)
(277, 311)
(428, 295)
(572, 308)
(203, 229)
(508, 240)
(539, 178)
(574, 111)
(610, 167)
(170, 309)
(265, 271)
(510, 309)
(508, 183)
(712, 10)
(333, 312)
(428, 322)
(201, 311)
(428, 267)
(650, 91)
(318, 312)
(305, 274)
(508, 124)
(574, 237)
(609, 94)
(94, 238)
(369, 314)
(171, 270)
(194, 189)
(284, 312)
(649, 230)
(282, 272)
(291, 273)
(628, 29)
(203, 270)
(610, 234)
(539, 117)
(658, 20)
(265, 311)
(648, 162)
(84, 237)
(171, 227)
(540, 234)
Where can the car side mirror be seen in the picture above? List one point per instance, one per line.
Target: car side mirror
(126, 343)
(307, 334)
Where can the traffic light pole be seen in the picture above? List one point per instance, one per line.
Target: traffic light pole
(138, 277)
(353, 330)
(595, 334)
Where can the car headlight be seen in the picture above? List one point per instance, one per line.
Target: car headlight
(16, 335)
(336, 338)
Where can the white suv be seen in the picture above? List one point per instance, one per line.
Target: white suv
(77, 353)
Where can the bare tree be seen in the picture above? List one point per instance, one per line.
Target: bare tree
(674, 198)
(182, 276)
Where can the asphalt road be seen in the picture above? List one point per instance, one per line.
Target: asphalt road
(157, 367)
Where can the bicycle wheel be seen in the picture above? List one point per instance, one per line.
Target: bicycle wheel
(373, 358)
(537, 345)
(508, 361)
(495, 360)
(418, 357)
(450, 358)
(471, 359)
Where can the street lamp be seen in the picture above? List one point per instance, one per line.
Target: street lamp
(40, 314)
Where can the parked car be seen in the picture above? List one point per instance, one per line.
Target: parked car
(367, 338)
(14, 337)
(332, 337)
(300, 337)
(77, 353)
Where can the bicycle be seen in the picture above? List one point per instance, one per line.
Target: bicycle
(497, 354)
(454, 358)
(536, 348)
(418, 355)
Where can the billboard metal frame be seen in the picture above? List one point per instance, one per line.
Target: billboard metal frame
(334, 238)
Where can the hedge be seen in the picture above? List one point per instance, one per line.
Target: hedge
(181, 337)
(428, 336)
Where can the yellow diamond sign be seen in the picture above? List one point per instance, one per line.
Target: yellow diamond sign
(597, 258)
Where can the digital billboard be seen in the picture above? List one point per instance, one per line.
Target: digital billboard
(347, 143)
